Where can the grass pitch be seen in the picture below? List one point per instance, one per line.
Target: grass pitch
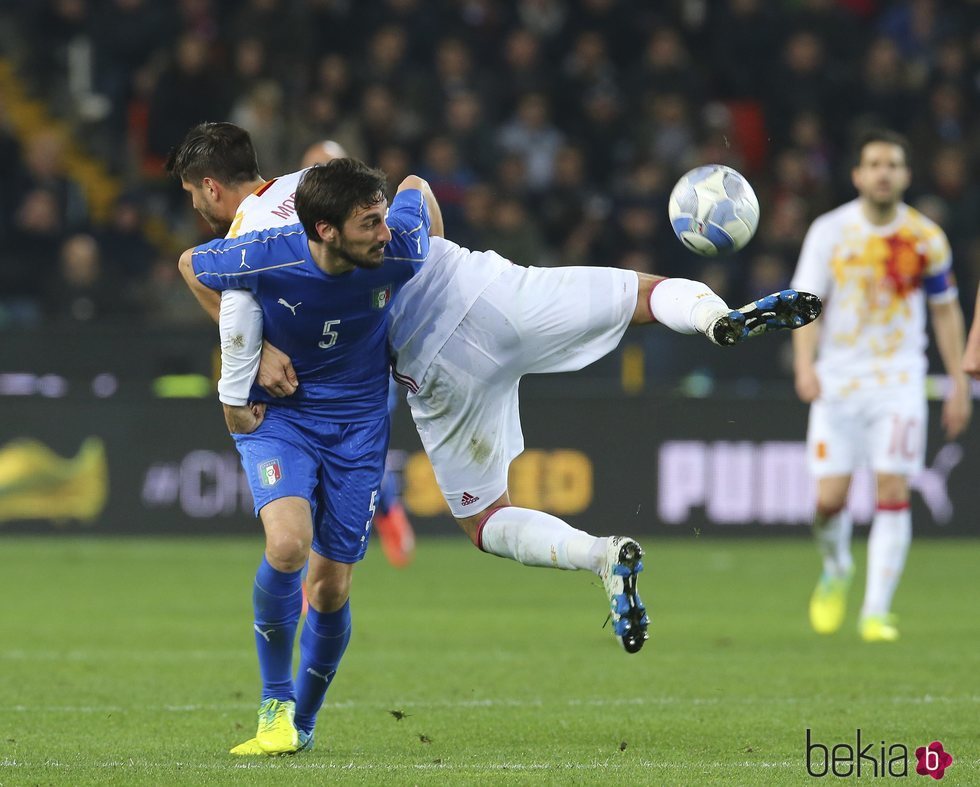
(131, 662)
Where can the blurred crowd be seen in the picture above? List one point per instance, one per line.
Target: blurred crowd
(550, 130)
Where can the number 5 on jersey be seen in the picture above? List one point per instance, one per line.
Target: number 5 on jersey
(329, 335)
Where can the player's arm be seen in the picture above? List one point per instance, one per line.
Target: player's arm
(947, 325)
(239, 319)
(805, 341)
(939, 286)
(208, 298)
(811, 275)
(410, 223)
(971, 358)
(436, 227)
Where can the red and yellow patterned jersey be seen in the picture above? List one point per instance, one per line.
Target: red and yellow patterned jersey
(874, 281)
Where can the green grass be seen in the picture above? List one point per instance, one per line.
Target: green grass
(131, 662)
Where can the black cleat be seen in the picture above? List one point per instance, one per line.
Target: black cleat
(629, 616)
(786, 309)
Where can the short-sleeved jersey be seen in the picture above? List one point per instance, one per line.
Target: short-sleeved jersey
(874, 281)
(273, 204)
(334, 328)
(435, 302)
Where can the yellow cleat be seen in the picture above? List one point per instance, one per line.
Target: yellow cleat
(250, 748)
(277, 733)
(878, 628)
(828, 604)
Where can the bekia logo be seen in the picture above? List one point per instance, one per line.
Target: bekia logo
(874, 759)
(933, 761)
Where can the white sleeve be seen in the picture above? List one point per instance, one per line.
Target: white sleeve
(240, 328)
(813, 268)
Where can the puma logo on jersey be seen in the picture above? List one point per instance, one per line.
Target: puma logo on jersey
(265, 634)
(291, 308)
(243, 265)
(418, 244)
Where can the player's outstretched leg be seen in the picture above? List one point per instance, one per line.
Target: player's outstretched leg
(786, 309)
(629, 616)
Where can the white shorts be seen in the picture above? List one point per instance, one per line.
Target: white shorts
(528, 320)
(885, 429)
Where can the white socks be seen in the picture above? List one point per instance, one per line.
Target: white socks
(888, 544)
(535, 538)
(833, 537)
(686, 306)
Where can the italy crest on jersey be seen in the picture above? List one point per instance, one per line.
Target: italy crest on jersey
(380, 297)
(270, 472)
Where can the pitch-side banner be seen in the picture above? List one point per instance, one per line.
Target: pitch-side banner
(637, 465)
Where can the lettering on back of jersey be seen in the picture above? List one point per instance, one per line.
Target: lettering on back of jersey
(286, 208)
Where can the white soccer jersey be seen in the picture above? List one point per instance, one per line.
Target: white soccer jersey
(434, 302)
(269, 206)
(240, 321)
(874, 282)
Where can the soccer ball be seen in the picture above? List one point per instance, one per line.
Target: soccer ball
(713, 210)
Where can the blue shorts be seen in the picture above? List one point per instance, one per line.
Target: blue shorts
(337, 467)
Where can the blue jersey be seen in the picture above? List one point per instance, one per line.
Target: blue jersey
(333, 328)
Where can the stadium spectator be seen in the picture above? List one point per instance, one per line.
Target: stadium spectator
(84, 291)
(524, 69)
(866, 384)
(45, 167)
(531, 135)
(187, 92)
(125, 248)
(28, 257)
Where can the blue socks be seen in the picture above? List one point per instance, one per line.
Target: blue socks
(277, 599)
(321, 645)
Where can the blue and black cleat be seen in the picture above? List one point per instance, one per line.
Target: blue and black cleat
(783, 310)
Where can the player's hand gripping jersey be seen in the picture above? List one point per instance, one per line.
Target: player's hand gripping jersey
(874, 282)
(334, 328)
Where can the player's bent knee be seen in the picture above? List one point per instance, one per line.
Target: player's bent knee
(827, 509)
(892, 489)
(286, 551)
(469, 526)
(328, 594)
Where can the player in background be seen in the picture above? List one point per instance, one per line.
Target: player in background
(391, 523)
(314, 462)
(971, 357)
(876, 262)
(464, 332)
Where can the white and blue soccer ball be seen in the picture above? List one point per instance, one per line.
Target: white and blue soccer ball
(713, 210)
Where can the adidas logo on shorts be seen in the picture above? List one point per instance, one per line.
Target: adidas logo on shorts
(468, 499)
